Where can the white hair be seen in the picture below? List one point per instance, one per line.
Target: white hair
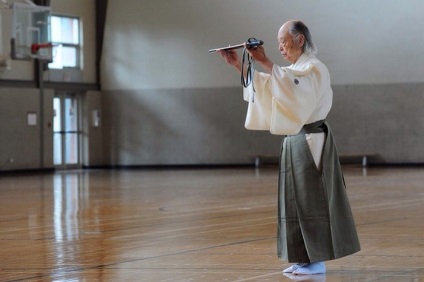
(299, 28)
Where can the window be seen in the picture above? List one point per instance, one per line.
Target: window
(65, 35)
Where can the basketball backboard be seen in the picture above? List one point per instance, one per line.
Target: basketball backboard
(30, 30)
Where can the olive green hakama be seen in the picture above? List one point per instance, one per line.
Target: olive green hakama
(315, 221)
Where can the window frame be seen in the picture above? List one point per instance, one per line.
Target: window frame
(77, 47)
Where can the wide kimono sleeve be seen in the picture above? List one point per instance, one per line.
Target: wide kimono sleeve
(259, 98)
(283, 101)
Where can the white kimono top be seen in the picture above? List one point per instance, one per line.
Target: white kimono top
(289, 98)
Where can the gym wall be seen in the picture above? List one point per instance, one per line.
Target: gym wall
(167, 101)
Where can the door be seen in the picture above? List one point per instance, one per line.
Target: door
(66, 131)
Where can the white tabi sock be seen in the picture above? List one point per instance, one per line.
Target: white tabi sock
(294, 267)
(311, 268)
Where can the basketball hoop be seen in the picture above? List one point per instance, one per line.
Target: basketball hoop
(42, 51)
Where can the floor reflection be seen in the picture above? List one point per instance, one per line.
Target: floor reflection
(69, 193)
(309, 278)
(193, 225)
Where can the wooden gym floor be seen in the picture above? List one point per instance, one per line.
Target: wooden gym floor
(194, 225)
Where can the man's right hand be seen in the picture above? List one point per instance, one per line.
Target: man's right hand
(231, 57)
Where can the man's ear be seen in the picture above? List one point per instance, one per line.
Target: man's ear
(301, 41)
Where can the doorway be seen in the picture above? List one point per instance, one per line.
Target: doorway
(66, 131)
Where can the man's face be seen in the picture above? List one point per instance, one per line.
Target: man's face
(288, 48)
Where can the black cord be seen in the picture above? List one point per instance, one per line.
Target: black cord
(246, 81)
(250, 71)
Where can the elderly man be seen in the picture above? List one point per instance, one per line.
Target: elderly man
(315, 222)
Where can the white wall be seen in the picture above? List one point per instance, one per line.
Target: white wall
(166, 100)
(20, 143)
(164, 43)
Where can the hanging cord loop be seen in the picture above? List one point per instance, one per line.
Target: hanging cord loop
(248, 73)
(251, 43)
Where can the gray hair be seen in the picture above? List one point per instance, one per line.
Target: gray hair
(299, 28)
